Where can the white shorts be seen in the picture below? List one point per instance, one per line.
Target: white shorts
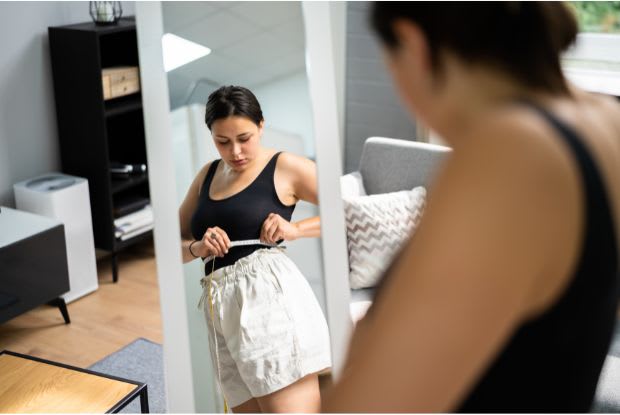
(269, 327)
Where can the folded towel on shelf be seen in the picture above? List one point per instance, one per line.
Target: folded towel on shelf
(136, 232)
(134, 223)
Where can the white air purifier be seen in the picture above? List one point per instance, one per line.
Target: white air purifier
(66, 199)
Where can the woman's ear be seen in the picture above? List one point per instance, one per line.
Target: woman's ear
(260, 128)
(413, 45)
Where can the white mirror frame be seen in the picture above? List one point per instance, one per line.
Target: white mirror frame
(322, 81)
(156, 109)
(321, 70)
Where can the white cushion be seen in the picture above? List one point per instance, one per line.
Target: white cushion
(360, 302)
(377, 226)
(351, 185)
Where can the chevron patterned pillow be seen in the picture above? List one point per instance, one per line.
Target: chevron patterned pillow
(377, 225)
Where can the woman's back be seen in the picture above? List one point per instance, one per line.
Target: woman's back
(553, 359)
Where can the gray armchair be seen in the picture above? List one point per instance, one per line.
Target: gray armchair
(390, 165)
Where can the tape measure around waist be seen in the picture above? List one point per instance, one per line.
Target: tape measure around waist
(243, 243)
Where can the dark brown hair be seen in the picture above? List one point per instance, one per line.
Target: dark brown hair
(522, 39)
(232, 100)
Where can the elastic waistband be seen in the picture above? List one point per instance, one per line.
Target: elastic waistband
(242, 243)
(245, 264)
(257, 260)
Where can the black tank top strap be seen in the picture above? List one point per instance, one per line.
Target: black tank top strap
(270, 169)
(206, 183)
(594, 187)
(266, 178)
(597, 202)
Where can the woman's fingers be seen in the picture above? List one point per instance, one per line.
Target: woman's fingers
(210, 243)
(218, 243)
(219, 236)
(271, 230)
(263, 235)
(278, 231)
(263, 231)
(217, 240)
(224, 238)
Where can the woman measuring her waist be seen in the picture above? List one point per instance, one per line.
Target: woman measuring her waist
(268, 336)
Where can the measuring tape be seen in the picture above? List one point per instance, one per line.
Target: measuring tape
(243, 243)
(211, 312)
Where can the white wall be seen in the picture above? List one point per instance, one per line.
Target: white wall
(28, 136)
(338, 11)
(286, 107)
(372, 105)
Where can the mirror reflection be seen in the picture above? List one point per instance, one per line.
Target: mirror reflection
(243, 149)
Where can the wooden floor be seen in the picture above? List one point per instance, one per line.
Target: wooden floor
(101, 322)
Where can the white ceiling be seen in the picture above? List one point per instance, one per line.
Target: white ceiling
(252, 43)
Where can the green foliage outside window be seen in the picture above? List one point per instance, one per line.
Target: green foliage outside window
(598, 16)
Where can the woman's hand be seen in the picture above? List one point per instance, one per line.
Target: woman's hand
(276, 228)
(214, 242)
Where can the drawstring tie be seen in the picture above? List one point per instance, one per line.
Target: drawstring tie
(206, 294)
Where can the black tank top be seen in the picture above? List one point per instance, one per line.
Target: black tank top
(241, 215)
(552, 362)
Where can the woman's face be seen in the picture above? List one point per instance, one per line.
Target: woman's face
(237, 139)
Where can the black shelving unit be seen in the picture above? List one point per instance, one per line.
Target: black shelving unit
(93, 132)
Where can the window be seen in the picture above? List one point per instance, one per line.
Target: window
(597, 16)
(594, 62)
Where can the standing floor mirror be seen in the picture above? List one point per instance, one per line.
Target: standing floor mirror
(284, 52)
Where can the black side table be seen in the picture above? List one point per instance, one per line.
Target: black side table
(33, 260)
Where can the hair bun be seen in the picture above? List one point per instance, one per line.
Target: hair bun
(560, 21)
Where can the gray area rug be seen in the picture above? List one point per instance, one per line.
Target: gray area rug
(140, 361)
(608, 392)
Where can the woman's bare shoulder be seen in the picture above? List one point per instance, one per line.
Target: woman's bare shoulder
(291, 162)
(512, 137)
(605, 102)
(609, 108)
(292, 158)
(296, 177)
